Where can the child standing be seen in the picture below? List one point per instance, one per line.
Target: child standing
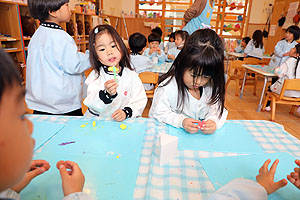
(282, 48)
(54, 71)
(242, 46)
(194, 87)
(255, 47)
(171, 42)
(114, 89)
(17, 168)
(180, 38)
(154, 52)
(288, 70)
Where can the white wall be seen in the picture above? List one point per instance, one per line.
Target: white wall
(115, 7)
(257, 15)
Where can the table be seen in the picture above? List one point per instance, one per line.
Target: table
(241, 55)
(184, 177)
(161, 68)
(264, 70)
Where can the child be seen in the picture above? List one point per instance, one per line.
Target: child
(194, 87)
(137, 44)
(288, 70)
(255, 47)
(242, 46)
(171, 42)
(247, 189)
(140, 63)
(158, 31)
(17, 168)
(180, 38)
(117, 93)
(154, 52)
(54, 71)
(282, 48)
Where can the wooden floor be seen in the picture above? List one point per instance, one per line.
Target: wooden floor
(245, 109)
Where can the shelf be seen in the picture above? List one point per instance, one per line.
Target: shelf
(13, 2)
(12, 50)
(26, 38)
(80, 42)
(9, 40)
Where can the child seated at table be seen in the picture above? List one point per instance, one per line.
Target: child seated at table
(140, 63)
(288, 70)
(194, 88)
(255, 47)
(154, 52)
(246, 189)
(180, 38)
(115, 90)
(159, 32)
(17, 169)
(171, 42)
(242, 46)
(283, 47)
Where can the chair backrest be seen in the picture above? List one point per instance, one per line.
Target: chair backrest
(251, 61)
(289, 84)
(235, 66)
(149, 77)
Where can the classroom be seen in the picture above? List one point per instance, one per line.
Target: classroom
(150, 99)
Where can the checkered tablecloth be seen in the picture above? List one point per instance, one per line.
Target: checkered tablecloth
(184, 177)
(161, 68)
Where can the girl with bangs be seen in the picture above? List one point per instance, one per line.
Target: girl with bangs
(191, 94)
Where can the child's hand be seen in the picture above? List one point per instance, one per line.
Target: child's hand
(189, 126)
(209, 127)
(119, 115)
(172, 57)
(111, 86)
(73, 180)
(37, 167)
(294, 177)
(158, 50)
(266, 177)
(286, 54)
(152, 50)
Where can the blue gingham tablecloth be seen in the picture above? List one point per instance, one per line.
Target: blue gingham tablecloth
(184, 177)
(161, 68)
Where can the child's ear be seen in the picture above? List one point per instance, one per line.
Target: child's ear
(53, 14)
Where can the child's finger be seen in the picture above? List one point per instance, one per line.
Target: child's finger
(297, 162)
(274, 166)
(280, 184)
(291, 179)
(265, 166)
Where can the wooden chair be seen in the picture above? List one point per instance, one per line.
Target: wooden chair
(289, 84)
(150, 78)
(236, 72)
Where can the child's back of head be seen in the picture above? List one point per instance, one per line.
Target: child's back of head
(39, 9)
(157, 30)
(246, 40)
(137, 42)
(257, 38)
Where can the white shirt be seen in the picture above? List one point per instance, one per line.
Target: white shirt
(251, 50)
(240, 189)
(161, 57)
(174, 51)
(164, 106)
(281, 48)
(54, 72)
(130, 93)
(286, 71)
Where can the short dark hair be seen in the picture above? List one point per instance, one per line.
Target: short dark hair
(295, 30)
(98, 31)
(157, 30)
(39, 9)
(172, 35)
(203, 53)
(137, 42)
(246, 39)
(154, 37)
(183, 34)
(9, 73)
